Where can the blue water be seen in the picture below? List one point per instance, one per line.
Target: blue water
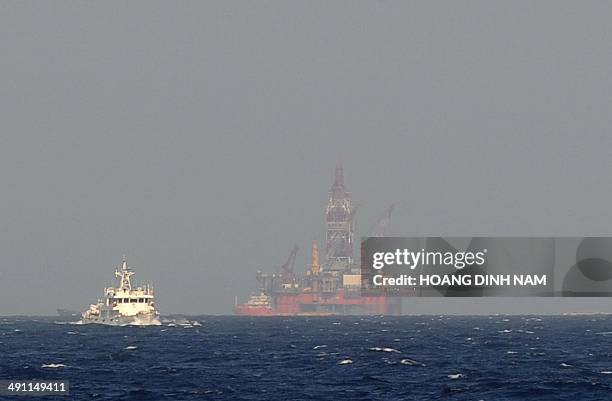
(240, 358)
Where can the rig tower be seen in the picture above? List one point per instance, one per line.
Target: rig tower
(339, 226)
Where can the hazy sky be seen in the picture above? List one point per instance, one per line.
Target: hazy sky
(200, 138)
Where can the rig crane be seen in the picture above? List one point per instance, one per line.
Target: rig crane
(381, 227)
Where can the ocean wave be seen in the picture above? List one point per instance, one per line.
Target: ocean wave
(411, 362)
(384, 349)
(52, 365)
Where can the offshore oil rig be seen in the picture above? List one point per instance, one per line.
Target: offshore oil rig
(331, 288)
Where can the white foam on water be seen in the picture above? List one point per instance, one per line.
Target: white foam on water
(410, 362)
(456, 376)
(345, 362)
(53, 365)
(384, 349)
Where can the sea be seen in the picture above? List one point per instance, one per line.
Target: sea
(316, 358)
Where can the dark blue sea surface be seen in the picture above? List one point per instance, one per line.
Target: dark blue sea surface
(324, 358)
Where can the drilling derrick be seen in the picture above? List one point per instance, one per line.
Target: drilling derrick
(339, 226)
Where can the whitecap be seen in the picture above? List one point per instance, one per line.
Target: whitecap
(72, 332)
(53, 365)
(131, 347)
(511, 352)
(345, 362)
(565, 365)
(410, 362)
(606, 372)
(319, 346)
(384, 349)
(456, 376)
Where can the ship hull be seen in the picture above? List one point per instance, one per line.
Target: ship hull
(315, 304)
(244, 310)
(120, 320)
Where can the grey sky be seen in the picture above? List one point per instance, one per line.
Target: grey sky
(199, 138)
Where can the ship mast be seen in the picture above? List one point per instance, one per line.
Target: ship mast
(124, 275)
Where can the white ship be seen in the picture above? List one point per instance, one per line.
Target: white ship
(124, 305)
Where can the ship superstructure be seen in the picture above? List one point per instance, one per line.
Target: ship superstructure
(124, 304)
(331, 287)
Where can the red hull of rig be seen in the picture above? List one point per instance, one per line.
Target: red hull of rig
(312, 305)
(329, 289)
